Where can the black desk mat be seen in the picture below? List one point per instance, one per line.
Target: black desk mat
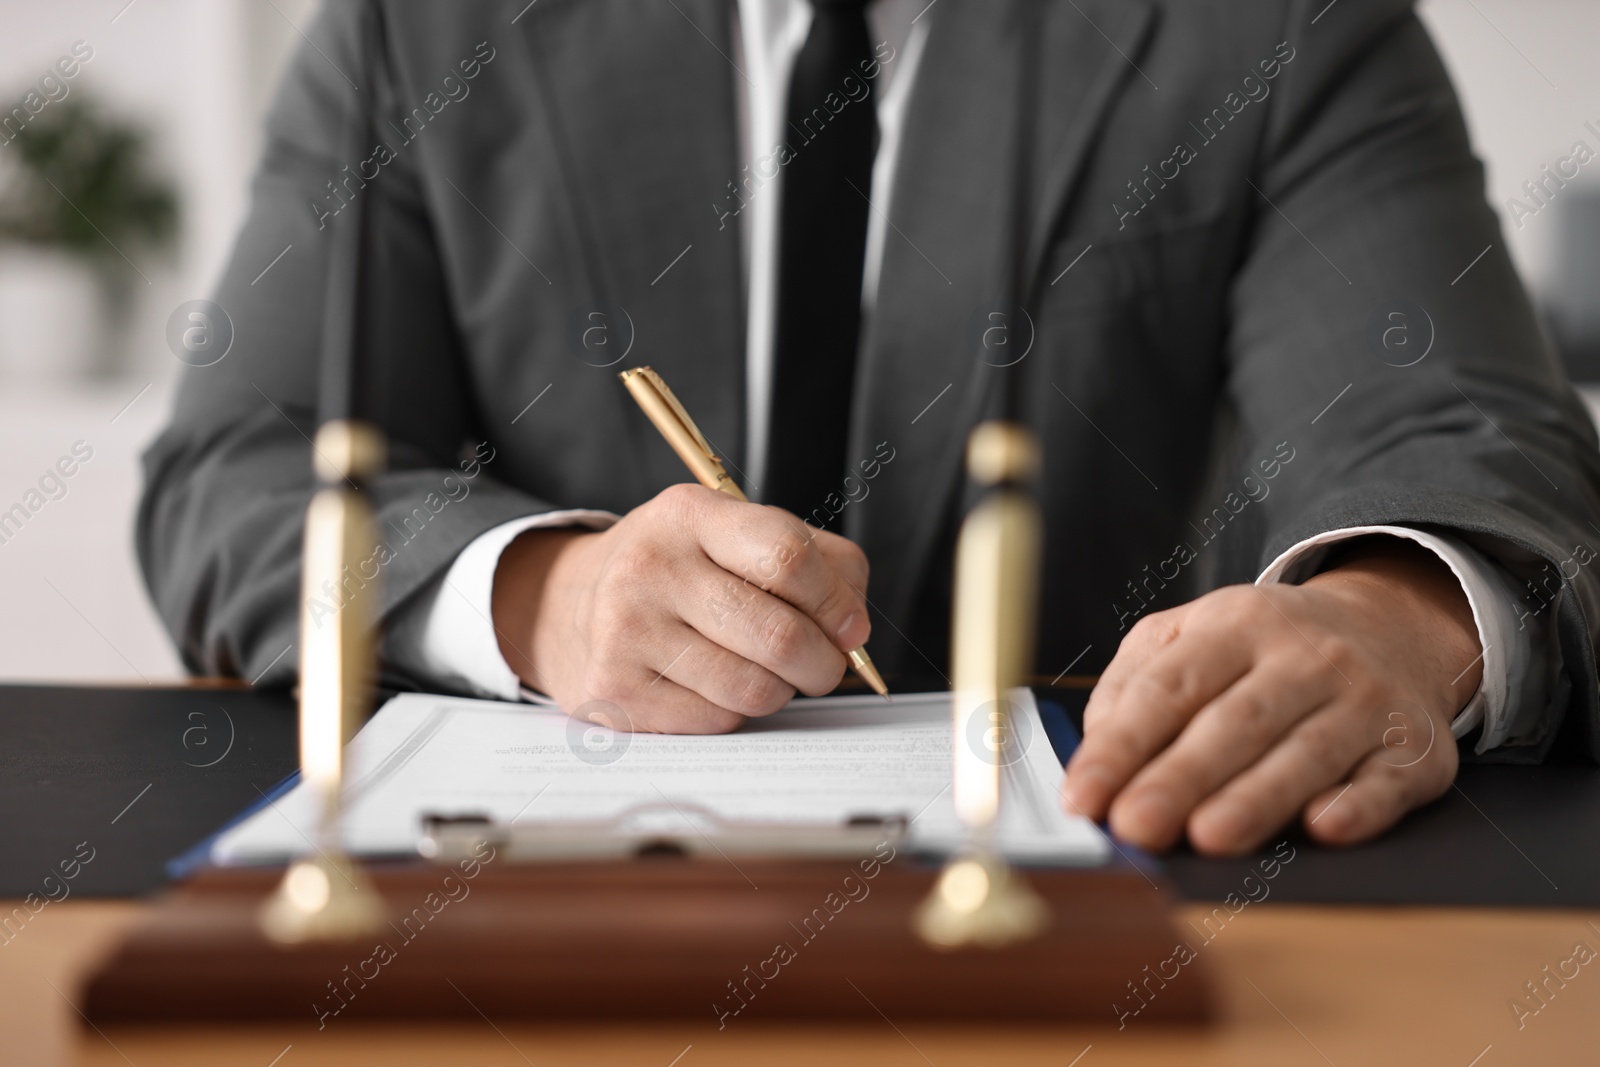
(140, 775)
(131, 777)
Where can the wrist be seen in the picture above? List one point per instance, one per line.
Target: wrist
(526, 597)
(1410, 585)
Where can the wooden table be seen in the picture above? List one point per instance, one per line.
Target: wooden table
(1298, 985)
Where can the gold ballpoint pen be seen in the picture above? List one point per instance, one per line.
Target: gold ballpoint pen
(690, 444)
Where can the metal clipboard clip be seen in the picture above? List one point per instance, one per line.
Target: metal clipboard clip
(657, 829)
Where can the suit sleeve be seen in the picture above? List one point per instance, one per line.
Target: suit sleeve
(227, 483)
(1453, 416)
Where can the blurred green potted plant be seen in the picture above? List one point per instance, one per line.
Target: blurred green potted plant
(79, 207)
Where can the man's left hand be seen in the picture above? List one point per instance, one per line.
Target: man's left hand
(1332, 700)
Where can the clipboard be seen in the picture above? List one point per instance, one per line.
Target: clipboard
(691, 831)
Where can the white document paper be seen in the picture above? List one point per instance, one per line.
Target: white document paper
(817, 761)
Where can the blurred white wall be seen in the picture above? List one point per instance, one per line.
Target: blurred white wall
(1529, 78)
(200, 73)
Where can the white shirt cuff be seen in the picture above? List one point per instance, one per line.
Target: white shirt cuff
(1489, 592)
(447, 633)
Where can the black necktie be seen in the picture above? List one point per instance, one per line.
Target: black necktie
(832, 127)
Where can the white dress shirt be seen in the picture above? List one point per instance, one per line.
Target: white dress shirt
(446, 633)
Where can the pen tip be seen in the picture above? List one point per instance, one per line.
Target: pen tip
(869, 673)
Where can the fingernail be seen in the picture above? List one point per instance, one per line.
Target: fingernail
(1086, 789)
(850, 620)
(1333, 820)
(1150, 810)
(1229, 821)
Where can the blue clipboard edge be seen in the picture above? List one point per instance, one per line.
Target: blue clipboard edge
(1063, 735)
(198, 856)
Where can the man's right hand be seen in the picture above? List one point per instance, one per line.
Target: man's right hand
(690, 614)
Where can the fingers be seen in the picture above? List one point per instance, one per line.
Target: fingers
(638, 679)
(780, 555)
(1146, 640)
(1227, 736)
(722, 678)
(844, 556)
(1307, 773)
(1318, 752)
(1378, 794)
(1149, 710)
(662, 706)
(775, 637)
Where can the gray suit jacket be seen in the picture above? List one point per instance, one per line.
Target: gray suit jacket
(1214, 361)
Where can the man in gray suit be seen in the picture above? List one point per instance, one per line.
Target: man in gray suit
(1318, 500)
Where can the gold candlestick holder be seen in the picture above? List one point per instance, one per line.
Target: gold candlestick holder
(325, 896)
(980, 900)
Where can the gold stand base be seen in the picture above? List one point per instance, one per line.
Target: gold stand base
(322, 898)
(980, 901)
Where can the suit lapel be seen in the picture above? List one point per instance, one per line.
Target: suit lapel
(948, 254)
(638, 101)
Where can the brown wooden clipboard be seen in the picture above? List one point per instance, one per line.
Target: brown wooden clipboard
(691, 938)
